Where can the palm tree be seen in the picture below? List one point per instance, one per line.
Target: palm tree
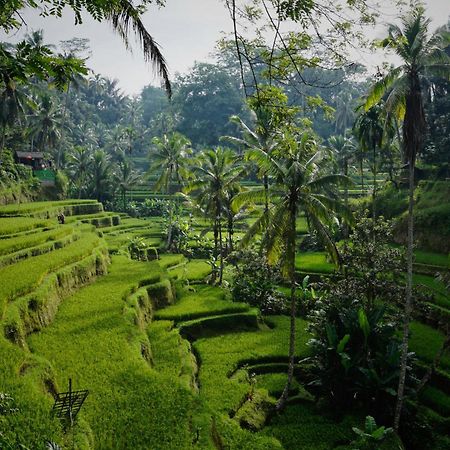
(299, 185)
(80, 160)
(344, 113)
(421, 55)
(344, 150)
(100, 175)
(126, 177)
(217, 176)
(369, 129)
(270, 112)
(13, 99)
(45, 125)
(169, 157)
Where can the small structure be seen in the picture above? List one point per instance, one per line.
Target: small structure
(33, 159)
(41, 168)
(68, 404)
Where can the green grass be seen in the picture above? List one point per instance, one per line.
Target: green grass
(426, 342)
(204, 301)
(436, 400)
(432, 258)
(13, 225)
(435, 287)
(222, 355)
(315, 262)
(195, 270)
(22, 242)
(26, 275)
(29, 208)
(130, 405)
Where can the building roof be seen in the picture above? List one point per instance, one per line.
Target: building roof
(30, 155)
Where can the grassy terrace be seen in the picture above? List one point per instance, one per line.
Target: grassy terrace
(89, 341)
(24, 276)
(170, 392)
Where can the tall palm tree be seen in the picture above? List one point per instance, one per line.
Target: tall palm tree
(217, 176)
(270, 112)
(125, 177)
(344, 151)
(369, 129)
(80, 160)
(344, 115)
(169, 157)
(299, 185)
(46, 124)
(100, 175)
(421, 55)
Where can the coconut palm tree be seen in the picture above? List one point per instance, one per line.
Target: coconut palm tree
(270, 111)
(80, 160)
(169, 157)
(343, 149)
(369, 129)
(125, 177)
(217, 177)
(299, 184)
(421, 55)
(100, 175)
(46, 124)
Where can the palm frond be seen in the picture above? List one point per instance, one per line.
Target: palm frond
(381, 87)
(126, 16)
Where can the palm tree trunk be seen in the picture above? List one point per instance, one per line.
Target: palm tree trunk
(293, 312)
(169, 231)
(221, 253)
(374, 189)
(230, 233)
(408, 303)
(266, 193)
(362, 174)
(346, 233)
(3, 139)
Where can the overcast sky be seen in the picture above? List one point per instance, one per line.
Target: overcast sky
(186, 31)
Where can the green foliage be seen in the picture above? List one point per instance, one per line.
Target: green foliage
(255, 282)
(355, 346)
(371, 436)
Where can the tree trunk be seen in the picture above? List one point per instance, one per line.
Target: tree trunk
(3, 139)
(374, 190)
(346, 232)
(362, 174)
(293, 313)
(230, 233)
(408, 303)
(266, 193)
(221, 253)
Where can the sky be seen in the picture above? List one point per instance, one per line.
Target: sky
(186, 31)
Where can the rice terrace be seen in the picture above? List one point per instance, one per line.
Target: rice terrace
(248, 250)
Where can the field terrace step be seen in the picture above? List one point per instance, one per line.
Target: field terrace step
(48, 210)
(50, 243)
(93, 339)
(25, 276)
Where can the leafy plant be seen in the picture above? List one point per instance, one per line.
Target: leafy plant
(371, 436)
(255, 282)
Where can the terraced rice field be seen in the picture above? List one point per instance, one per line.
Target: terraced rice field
(169, 361)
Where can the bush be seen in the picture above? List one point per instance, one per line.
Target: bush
(255, 282)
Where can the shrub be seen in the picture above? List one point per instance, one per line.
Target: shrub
(255, 282)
